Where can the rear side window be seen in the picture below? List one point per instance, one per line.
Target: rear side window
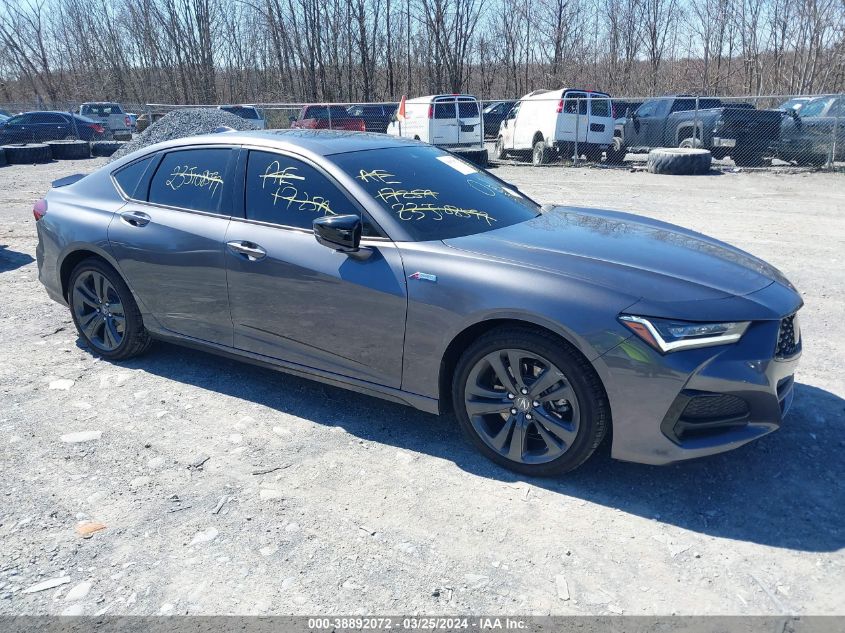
(444, 110)
(191, 179)
(48, 118)
(129, 177)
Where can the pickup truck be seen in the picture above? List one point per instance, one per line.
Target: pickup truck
(327, 117)
(815, 132)
(736, 130)
(111, 116)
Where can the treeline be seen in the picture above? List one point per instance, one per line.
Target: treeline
(213, 51)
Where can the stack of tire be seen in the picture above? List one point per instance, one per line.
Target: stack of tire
(32, 153)
(26, 153)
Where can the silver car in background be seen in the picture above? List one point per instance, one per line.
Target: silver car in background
(396, 269)
(111, 116)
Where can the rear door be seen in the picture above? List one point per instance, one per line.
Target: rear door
(573, 119)
(469, 121)
(601, 121)
(296, 300)
(50, 126)
(444, 126)
(169, 240)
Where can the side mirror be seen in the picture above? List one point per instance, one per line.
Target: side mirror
(628, 113)
(793, 112)
(339, 232)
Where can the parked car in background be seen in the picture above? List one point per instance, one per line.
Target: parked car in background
(111, 116)
(815, 133)
(452, 122)
(736, 130)
(396, 269)
(143, 121)
(133, 121)
(37, 127)
(494, 113)
(327, 117)
(548, 124)
(4, 118)
(376, 116)
(796, 103)
(620, 112)
(248, 112)
(5, 113)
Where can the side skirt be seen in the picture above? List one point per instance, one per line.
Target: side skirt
(423, 403)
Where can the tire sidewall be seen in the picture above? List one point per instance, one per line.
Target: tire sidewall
(133, 322)
(564, 359)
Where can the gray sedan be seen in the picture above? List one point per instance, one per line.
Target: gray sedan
(396, 269)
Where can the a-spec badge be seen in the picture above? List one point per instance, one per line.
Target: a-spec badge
(423, 277)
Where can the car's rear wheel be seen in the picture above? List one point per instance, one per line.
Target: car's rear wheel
(529, 402)
(541, 154)
(105, 312)
(500, 152)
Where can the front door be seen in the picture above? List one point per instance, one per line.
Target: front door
(296, 300)
(168, 242)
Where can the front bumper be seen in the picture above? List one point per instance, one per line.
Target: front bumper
(683, 405)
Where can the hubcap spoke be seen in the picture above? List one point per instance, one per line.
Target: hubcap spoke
(553, 444)
(99, 283)
(500, 439)
(116, 309)
(89, 323)
(517, 445)
(562, 430)
(563, 392)
(515, 361)
(485, 407)
(110, 335)
(547, 379)
(501, 372)
(85, 295)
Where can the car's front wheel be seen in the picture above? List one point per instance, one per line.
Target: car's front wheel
(105, 312)
(529, 402)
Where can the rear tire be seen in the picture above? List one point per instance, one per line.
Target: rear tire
(27, 153)
(679, 161)
(616, 154)
(555, 429)
(500, 152)
(105, 312)
(541, 155)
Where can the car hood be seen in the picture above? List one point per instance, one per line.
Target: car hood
(643, 258)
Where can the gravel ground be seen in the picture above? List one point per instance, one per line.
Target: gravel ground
(224, 488)
(182, 123)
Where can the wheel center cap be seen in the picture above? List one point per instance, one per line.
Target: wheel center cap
(522, 403)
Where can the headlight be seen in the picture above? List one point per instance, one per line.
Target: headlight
(666, 335)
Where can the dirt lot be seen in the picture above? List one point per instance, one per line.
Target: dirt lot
(366, 506)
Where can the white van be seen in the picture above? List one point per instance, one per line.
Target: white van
(452, 122)
(548, 123)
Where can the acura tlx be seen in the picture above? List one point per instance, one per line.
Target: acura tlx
(394, 268)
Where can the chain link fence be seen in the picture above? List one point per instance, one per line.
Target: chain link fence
(569, 127)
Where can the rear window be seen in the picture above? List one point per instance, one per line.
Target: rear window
(101, 110)
(444, 110)
(191, 179)
(601, 107)
(467, 109)
(129, 177)
(243, 112)
(325, 112)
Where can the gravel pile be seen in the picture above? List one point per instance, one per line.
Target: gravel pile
(182, 123)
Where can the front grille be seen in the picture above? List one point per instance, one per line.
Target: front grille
(789, 338)
(714, 407)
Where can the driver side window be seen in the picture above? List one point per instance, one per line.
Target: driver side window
(288, 192)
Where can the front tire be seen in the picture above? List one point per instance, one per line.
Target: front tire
(105, 312)
(529, 402)
(500, 152)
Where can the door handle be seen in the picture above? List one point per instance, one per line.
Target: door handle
(135, 218)
(253, 252)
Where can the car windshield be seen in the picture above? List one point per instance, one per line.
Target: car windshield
(243, 112)
(814, 108)
(434, 194)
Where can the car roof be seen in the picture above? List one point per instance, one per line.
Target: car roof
(101, 103)
(428, 98)
(313, 142)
